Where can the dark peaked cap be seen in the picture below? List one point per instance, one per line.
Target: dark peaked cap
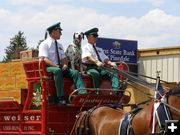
(53, 27)
(93, 31)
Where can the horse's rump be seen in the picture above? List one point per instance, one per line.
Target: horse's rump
(94, 119)
(82, 125)
(105, 118)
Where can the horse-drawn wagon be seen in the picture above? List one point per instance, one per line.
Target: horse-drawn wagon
(38, 113)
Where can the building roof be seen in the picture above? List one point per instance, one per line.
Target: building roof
(173, 50)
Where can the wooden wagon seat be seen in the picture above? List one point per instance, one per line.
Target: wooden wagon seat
(36, 72)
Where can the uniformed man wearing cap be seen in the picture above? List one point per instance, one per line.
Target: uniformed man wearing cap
(52, 53)
(94, 58)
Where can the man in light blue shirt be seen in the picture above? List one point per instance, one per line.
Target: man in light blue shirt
(94, 58)
(52, 53)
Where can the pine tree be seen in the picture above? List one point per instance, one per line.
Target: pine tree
(17, 44)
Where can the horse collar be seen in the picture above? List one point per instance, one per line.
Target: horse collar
(162, 113)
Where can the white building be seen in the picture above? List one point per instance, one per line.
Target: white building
(166, 60)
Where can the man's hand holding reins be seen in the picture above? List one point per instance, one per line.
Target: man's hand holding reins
(99, 64)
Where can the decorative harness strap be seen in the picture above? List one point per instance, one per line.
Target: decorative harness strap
(125, 127)
(162, 113)
(83, 127)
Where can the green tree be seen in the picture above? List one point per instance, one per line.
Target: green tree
(17, 44)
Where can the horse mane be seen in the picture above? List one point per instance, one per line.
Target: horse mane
(175, 90)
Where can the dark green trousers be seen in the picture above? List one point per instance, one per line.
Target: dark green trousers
(97, 73)
(58, 78)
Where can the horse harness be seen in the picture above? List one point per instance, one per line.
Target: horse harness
(125, 127)
(162, 114)
(83, 125)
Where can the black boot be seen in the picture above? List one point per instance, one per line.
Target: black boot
(62, 101)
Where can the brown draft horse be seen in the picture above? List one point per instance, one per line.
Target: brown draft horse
(105, 120)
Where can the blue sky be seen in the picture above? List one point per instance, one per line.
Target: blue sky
(153, 23)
